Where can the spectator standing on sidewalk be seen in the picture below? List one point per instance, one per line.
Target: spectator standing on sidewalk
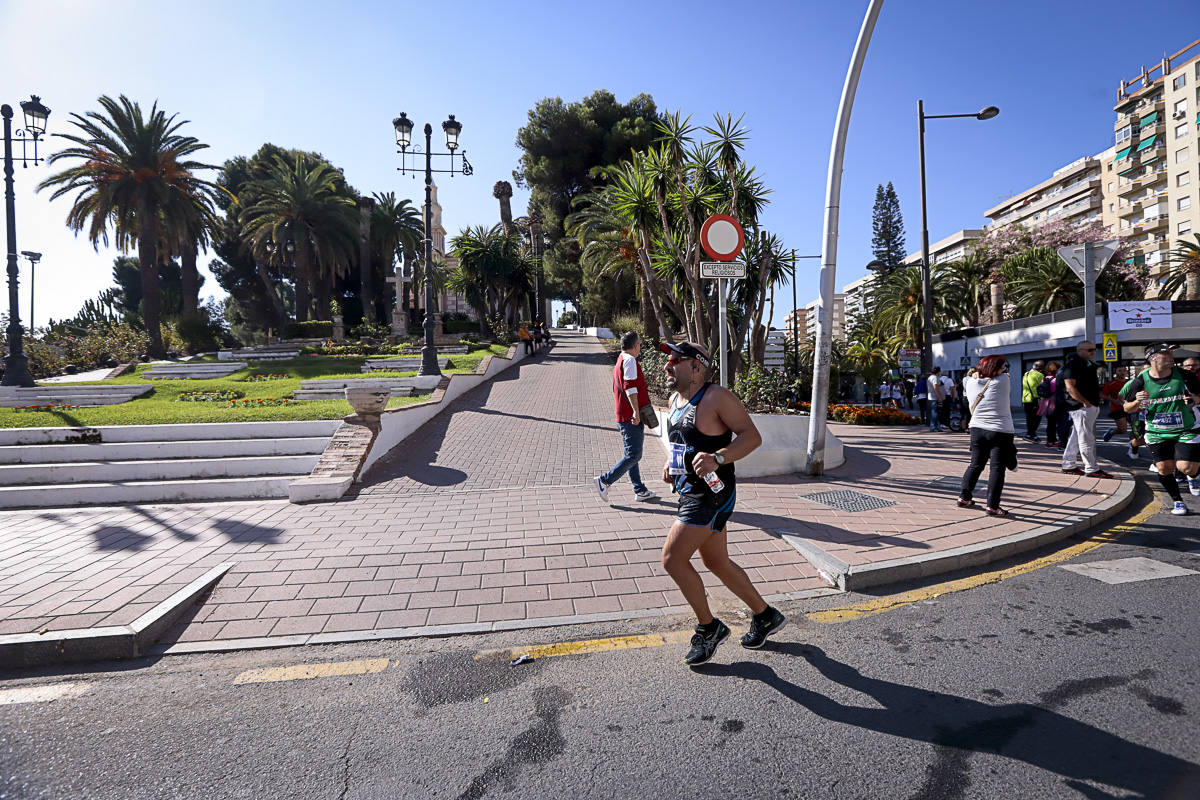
(948, 397)
(991, 432)
(921, 393)
(1029, 399)
(709, 429)
(526, 338)
(629, 392)
(936, 395)
(1048, 403)
(1168, 395)
(1081, 386)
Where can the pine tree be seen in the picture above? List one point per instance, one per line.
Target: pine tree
(887, 227)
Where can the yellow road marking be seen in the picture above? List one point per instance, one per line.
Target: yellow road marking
(42, 694)
(302, 672)
(586, 646)
(872, 607)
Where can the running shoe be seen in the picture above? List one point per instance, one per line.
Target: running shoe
(645, 496)
(1153, 467)
(1097, 474)
(1180, 477)
(1194, 486)
(1066, 471)
(705, 643)
(770, 622)
(1129, 452)
(995, 512)
(601, 488)
(1109, 434)
(965, 503)
(1180, 509)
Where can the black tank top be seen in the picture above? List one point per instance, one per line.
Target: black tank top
(681, 429)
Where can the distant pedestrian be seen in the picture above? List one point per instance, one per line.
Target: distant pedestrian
(1048, 402)
(921, 395)
(936, 395)
(1168, 395)
(630, 394)
(1029, 398)
(948, 398)
(1082, 389)
(991, 432)
(526, 338)
(709, 429)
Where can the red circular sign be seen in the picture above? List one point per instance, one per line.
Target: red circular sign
(722, 237)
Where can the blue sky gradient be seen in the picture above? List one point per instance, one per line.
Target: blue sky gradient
(330, 77)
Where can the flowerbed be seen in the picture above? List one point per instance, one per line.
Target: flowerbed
(50, 407)
(865, 415)
(260, 402)
(209, 397)
(260, 378)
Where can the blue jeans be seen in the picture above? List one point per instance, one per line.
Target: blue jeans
(632, 437)
(935, 414)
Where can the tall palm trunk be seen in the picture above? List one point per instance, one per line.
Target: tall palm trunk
(147, 223)
(324, 286)
(365, 206)
(276, 301)
(1191, 282)
(303, 281)
(190, 276)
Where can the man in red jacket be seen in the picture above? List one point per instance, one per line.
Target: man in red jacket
(629, 392)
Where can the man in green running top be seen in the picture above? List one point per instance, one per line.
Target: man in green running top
(1168, 395)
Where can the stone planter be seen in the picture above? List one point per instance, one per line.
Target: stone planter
(368, 400)
(339, 329)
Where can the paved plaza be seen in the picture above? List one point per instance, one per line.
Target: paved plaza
(486, 518)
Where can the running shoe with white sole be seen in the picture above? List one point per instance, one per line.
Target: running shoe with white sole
(1194, 486)
(645, 496)
(1180, 509)
(1153, 467)
(601, 488)
(770, 622)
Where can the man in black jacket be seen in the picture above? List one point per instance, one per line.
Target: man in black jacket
(1081, 385)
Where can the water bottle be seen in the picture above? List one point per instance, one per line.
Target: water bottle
(714, 482)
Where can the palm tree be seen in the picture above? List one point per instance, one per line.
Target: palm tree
(492, 273)
(129, 167)
(189, 220)
(397, 229)
(1037, 281)
(968, 288)
(869, 358)
(301, 201)
(1183, 270)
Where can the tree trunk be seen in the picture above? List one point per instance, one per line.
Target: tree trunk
(997, 302)
(276, 301)
(1191, 282)
(147, 223)
(303, 284)
(190, 276)
(324, 292)
(649, 322)
(365, 206)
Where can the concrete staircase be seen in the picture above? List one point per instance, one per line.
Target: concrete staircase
(53, 467)
(398, 364)
(89, 396)
(335, 388)
(196, 371)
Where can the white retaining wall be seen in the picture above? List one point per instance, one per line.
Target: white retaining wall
(784, 450)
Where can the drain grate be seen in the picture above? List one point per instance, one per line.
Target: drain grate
(847, 500)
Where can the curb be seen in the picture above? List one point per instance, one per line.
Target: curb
(25, 650)
(848, 577)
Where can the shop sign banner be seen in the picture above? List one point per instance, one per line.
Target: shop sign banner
(1136, 314)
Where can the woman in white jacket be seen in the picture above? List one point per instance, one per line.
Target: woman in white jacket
(991, 432)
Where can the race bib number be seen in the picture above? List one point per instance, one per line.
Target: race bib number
(677, 464)
(1168, 421)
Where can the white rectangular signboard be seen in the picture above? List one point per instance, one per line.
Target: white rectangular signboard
(1135, 314)
(722, 269)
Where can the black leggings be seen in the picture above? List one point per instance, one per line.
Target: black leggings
(986, 446)
(1032, 420)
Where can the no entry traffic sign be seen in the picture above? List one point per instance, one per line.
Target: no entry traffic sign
(722, 237)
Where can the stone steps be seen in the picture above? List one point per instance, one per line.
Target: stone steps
(196, 372)
(173, 469)
(134, 451)
(399, 364)
(83, 396)
(140, 492)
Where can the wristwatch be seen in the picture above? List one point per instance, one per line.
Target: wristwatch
(720, 459)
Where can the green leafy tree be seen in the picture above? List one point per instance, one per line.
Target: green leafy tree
(397, 229)
(869, 357)
(887, 228)
(127, 167)
(1183, 270)
(492, 273)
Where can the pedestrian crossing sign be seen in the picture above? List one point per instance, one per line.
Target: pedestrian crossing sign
(1110, 347)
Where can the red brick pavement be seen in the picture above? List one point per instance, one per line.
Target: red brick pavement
(487, 515)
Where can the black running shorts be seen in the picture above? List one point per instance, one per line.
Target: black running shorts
(1174, 450)
(707, 510)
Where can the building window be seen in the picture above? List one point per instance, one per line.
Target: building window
(1124, 133)
(1181, 130)
(1110, 208)
(1110, 186)
(1183, 203)
(1183, 179)
(1181, 155)
(1181, 107)
(1184, 227)
(1179, 82)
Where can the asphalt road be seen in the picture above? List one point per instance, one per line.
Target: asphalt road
(1049, 684)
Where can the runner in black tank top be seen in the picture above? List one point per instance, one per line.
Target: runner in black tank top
(700, 522)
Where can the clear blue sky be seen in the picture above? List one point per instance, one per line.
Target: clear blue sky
(330, 77)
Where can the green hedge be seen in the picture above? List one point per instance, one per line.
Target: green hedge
(311, 329)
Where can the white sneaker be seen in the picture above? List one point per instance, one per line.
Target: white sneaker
(601, 488)
(1154, 467)
(645, 496)
(1194, 486)
(1129, 452)
(1180, 509)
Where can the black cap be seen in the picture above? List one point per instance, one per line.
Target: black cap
(1161, 347)
(686, 350)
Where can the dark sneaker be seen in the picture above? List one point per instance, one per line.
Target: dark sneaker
(1073, 471)
(1098, 474)
(1109, 434)
(705, 643)
(762, 626)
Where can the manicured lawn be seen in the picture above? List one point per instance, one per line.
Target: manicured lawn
(163, 406)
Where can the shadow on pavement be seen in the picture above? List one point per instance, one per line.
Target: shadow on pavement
(959, 727)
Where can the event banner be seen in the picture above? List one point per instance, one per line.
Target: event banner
(1133, 314)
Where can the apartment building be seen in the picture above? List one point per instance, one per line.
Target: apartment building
(839, 317)
(952, 248)
(1153, 173)
(795, 324)
(1074, 193)
(855, 297)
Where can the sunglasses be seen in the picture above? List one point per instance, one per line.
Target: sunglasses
(677, 359)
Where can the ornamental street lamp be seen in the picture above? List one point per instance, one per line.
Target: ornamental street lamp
(926, 300)
(34, 258)
(16, 365)
(452, 128)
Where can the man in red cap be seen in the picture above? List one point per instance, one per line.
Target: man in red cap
(708, 429)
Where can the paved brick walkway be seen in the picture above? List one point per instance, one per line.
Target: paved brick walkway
(487, 514)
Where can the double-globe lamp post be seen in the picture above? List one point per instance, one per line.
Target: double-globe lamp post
(452, 128)
(926, 300)
(16, 365)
